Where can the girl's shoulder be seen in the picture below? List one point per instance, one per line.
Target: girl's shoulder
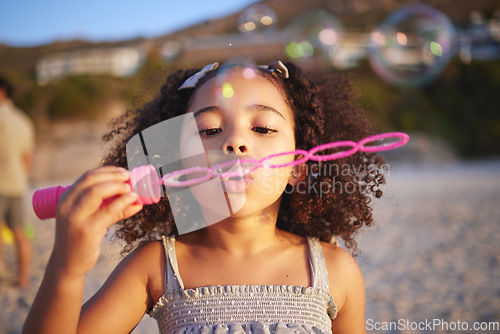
(339, 262)
(344, 274)
(150, 259)
(152, 250)
(336, 255)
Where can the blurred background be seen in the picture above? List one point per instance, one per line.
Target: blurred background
(429, 68)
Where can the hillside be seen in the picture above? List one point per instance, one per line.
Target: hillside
(356, 15)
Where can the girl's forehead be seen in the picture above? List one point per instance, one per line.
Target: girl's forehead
(239, 85)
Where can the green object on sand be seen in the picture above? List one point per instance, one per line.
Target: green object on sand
(30, 231)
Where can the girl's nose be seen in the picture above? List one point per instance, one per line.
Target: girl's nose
(235, 143)
(235, 148)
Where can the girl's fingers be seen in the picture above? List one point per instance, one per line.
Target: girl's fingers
(119, 208)
(91, 198)
(102, 174)
(98, 175)
(97, 200)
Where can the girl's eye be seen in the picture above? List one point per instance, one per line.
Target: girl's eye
(211, 132)
(264, 130)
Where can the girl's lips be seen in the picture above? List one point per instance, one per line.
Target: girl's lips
(238, 184)
(242, 168)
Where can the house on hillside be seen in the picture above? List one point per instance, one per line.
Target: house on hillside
(116, 61)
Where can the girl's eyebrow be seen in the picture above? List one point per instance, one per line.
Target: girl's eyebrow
(206, 109)
(261, 107)
(253, 107)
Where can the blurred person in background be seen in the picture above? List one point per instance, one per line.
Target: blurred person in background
(16, 151)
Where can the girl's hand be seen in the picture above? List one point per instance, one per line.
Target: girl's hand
(80, 222)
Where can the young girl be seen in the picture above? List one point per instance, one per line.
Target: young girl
(262, 268)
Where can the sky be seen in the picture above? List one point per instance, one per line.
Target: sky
(25, 23)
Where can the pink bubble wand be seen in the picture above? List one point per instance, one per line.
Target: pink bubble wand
(146, 183)
(246, 166)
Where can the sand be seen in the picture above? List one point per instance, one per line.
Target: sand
(433, 253)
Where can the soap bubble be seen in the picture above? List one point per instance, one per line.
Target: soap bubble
(412, 46)
(257, 20)
(314, 35)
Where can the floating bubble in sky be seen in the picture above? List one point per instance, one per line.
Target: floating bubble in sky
(412, 46)
(257, 20)
(315, 34)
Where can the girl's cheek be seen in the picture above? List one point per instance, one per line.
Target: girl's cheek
(276, 176)
(191, 145)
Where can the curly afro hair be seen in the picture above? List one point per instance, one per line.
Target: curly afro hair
(334, 197)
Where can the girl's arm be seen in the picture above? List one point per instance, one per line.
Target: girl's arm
(127, 293)
(80, 228)
(348, 289)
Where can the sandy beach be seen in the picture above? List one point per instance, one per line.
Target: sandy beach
(432, 255)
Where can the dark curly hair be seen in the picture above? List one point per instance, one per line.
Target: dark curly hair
(323, 111)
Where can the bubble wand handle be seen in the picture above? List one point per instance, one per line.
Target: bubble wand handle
(143, 180)
(45, 201)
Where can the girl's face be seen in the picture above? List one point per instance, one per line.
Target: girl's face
(249, 118)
